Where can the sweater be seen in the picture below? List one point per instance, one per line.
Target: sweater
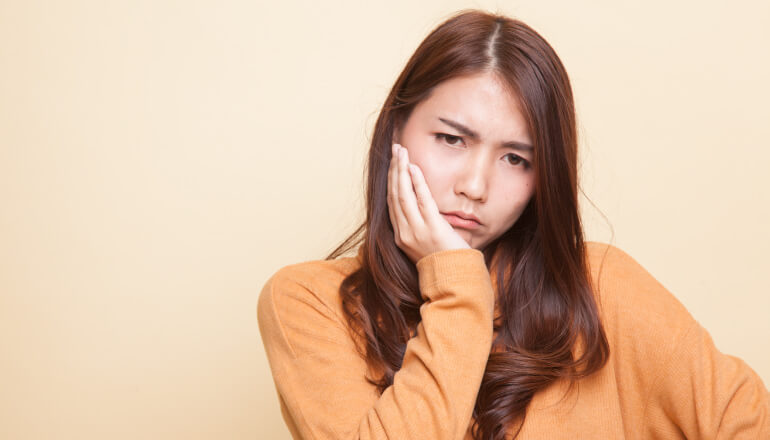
(664, 379)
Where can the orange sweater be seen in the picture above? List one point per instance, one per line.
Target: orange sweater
(664, 379)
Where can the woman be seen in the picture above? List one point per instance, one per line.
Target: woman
(473, 308)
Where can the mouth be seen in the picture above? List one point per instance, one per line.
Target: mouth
(462, 220)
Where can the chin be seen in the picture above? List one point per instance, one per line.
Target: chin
(473, 242)
(478, 246)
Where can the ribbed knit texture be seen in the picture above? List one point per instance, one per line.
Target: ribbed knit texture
(664, 379)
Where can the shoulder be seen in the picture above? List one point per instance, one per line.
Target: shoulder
(319, 276)
(635, 307)
(313, 284)
(622, 280)
(300, 309)
(645, 324)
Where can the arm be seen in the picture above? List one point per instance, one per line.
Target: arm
(320, 377)
(707, 394)
(675, 381)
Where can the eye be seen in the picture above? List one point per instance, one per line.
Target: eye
(514, 159)
(449, 139)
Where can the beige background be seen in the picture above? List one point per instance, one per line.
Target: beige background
(159, 160)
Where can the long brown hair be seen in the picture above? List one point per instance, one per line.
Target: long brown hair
(544, 295)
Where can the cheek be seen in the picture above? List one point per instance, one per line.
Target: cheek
(436, 176)
(515, 198)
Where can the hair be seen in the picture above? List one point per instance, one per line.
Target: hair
(545, 296)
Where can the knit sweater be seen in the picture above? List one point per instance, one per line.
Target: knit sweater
(664, 377)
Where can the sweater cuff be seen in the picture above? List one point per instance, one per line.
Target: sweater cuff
(451, 266)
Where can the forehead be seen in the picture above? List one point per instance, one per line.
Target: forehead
(481, 101)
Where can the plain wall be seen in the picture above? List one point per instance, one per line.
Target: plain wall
(160, 160)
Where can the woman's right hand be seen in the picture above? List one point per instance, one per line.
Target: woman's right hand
(417, 223)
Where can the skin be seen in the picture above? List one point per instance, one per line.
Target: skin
(453, 171)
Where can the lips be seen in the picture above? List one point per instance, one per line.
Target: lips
(462, 219)
(466, 216)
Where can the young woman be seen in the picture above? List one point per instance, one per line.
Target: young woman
(474, 308)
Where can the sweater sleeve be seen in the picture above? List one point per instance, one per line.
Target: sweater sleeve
(686, 386)
(706, 394)
(321, 379)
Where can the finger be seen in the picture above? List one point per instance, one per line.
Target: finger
(390, 189)
(425, 201)
(391, 214)
(401, 220)
(407, 196)
(394, 207)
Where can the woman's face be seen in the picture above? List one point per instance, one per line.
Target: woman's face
(471, 142)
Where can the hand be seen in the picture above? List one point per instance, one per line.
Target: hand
(417, 223)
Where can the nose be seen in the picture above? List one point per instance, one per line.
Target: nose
(472, 178)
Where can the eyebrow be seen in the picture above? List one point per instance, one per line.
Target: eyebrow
(475, 136)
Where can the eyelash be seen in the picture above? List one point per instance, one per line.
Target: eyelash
(446, 137)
